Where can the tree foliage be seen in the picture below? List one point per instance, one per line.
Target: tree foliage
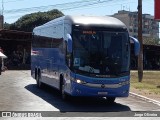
(151, 41)
(6, 25)
(29, 21)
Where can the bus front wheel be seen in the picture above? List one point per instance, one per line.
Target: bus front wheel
(62, 87)
(64, 96)
(111, 100)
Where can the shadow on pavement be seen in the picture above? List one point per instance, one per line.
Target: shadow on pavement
(79, 104)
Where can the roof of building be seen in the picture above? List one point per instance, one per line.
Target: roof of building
(15, 35)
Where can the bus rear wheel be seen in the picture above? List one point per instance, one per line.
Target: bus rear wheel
(38, 79)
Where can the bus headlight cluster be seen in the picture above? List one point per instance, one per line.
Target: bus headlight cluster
(77, 80)
(80, 81)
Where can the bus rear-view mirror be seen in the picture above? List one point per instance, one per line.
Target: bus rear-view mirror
(136, 45)
(69, 43)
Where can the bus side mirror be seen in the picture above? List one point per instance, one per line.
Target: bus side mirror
(69, 43)
(136, 45)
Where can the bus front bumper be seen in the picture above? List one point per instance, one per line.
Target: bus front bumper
(99, 90)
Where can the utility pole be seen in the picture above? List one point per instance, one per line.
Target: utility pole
(140, 56)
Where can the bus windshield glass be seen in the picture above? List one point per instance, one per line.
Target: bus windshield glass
(99, 53)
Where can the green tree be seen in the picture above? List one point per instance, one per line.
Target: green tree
(6, 26)
(29, 21)
(151, 41)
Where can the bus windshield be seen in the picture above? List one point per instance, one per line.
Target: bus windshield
(100, 53)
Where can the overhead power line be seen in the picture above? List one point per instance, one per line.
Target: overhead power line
(82, 7)
(63, 6)
(68, 6)
(13, 1)
(80, 4)
(16, 13)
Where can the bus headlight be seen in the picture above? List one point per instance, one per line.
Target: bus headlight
(80, 81)
(77, 80)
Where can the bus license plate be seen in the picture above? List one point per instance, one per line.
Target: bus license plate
(102, 93)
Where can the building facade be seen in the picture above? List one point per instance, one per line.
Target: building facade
(151, 43)
(150, 27)
(16, 45)
(1, 21)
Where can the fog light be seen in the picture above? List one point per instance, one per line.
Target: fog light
(126, 91)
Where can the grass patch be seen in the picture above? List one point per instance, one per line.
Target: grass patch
(150, 83)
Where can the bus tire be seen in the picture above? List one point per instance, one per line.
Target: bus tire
(64, 96)
(111, 100)
(35, 75)
(38, 79)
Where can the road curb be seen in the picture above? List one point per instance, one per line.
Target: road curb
(144, 98)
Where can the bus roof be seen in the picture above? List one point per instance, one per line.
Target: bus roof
(105, 21)
(96, 20)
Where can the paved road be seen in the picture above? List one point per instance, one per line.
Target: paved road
(18, 92)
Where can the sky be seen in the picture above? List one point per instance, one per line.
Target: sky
(12, 9)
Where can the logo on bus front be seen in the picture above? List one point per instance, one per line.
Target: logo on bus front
(102, 86)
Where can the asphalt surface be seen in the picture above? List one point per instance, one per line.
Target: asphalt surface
(18, 92)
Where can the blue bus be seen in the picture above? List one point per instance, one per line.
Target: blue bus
(83, 56)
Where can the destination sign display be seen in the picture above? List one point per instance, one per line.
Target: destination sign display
(89, 32)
